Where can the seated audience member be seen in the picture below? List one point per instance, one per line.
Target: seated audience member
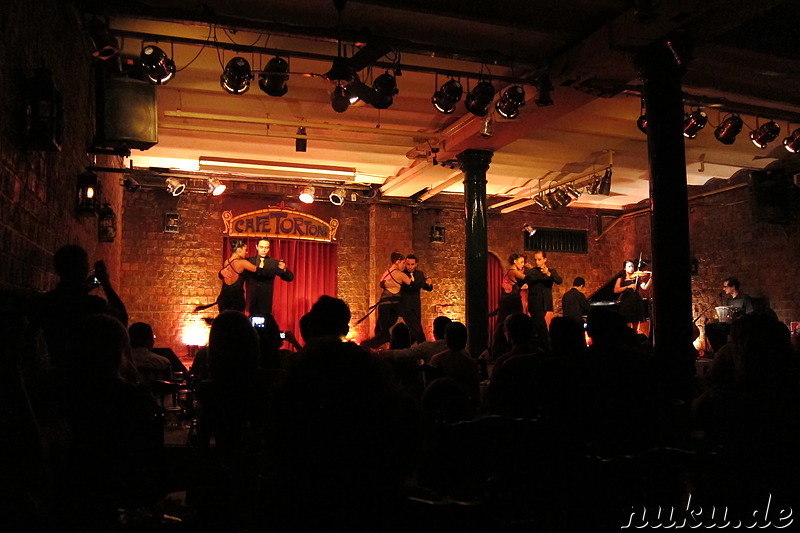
(150, 365)
(113, 457)
(567, 337)
(58, 311)
(328, 317)
(423, 350)
(456, 363)
(344, 435)
(399, 337)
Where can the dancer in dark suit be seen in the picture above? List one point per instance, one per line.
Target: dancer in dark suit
(259, 285)
(410, 304)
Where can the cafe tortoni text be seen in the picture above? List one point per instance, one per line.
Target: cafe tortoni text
(280, 222)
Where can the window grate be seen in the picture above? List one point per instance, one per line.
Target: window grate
(558, 240)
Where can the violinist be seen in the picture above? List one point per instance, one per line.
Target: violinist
(627, 285)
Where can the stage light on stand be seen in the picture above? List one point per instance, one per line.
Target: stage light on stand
(274, 77)
(727, 131)
(694, 122)
(478, 99)
(174, 186)
(216, 187)
(792, 142)
(236, 77)
(448, 95)
(510, 101)
(306, 195)
(159, 67)
(765, 134)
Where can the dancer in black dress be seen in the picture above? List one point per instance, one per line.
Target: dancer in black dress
(231, 296)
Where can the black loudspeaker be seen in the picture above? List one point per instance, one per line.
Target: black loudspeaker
(771, 196)
(127, 114)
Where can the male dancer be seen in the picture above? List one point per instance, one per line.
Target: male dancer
(259, 285)
(540, 281)
(410, 304)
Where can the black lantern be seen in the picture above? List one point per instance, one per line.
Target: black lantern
(106, 224)
(437, 233)
(88, 194)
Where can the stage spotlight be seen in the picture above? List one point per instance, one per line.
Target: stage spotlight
(216, 187)
(306, 195)
(273, 80)
(641, 123)
(160, 68)
(765, 134)
(478, 99)
(385, 87)
(130, 184)
(510, 101)
(340, 101)
(694, 122)
(174, 187)
(236, 77)
(605, 183)
(727, 131)
(530, 230)
(301, 143)
(337, 196)
(792, 142)
(539, 200)
(572, 191)
(561, 196)
(448, 95)
(550, 200)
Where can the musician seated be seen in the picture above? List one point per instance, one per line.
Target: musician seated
(736, 305)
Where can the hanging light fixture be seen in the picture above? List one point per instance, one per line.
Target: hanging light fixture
(306, 195)
(130, 184)
(694, 122)
(561, 197)
(765, 134)
(216, 187)
(385, 87)
(510, 101)
(605, 183)
(300, 142)
(792, 142)
(106, 224)
(448, 95)
(237, 75)
(340, 100)
(88, 197)
(539, 200)
(274, 77)
(159, 67)
(572, 191)
(337, 196)
(727, 131)
(594, 185)
(174, 186)
(478, 99)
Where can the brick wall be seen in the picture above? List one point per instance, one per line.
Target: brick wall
(37, 189)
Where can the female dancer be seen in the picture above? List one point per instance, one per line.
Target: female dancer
(231, 296)
(627, 285)
(511, 300)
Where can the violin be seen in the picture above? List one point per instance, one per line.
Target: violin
(640, 273)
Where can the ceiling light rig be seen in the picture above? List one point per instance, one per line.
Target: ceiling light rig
(765, 134)
(273, 80)
(174, 186)
(237, 75)
(337, 196)
(792, 142)
(158, 66)
(694, 122)
(510, 101)
(727, 131)
(479, 98)
(306, 195)
(216, 187)
(448, 95)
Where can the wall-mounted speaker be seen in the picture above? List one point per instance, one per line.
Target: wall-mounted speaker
(127, 115)
(772, 196)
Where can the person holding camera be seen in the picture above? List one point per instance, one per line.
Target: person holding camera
(58, 311)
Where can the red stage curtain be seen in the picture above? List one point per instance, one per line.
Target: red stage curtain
(494, 280)
(314, 266)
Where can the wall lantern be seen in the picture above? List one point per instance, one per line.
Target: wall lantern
(437, 233)
(88, 194)
(106, 224)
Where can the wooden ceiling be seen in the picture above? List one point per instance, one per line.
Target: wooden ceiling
(743, 60)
